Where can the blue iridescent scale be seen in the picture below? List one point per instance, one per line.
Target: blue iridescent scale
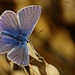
(19, 38)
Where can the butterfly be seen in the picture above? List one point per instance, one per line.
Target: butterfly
(15, 30)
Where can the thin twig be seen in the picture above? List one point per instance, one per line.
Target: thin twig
(25, 70)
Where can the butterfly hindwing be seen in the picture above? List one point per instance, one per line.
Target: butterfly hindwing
(19, 55)
(6, 44)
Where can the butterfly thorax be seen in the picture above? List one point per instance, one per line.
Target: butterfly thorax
(18, 37)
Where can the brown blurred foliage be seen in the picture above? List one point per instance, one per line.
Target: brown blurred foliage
(57, 42)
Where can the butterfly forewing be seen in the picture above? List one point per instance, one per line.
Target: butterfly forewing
(9, 22)
(28, 17)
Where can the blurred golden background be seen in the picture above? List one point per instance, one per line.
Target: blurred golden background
(57, 41)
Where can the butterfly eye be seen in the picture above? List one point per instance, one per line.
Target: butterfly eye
(28, 40)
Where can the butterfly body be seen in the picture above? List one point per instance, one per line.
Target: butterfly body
(15, 29)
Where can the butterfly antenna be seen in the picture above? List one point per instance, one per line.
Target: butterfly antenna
(36, 34)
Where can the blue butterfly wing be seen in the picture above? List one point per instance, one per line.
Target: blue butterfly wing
(28, 17)
(9, 22)
(19, 55)
(6, 44)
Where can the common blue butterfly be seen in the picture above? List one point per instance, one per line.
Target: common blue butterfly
(14, 31)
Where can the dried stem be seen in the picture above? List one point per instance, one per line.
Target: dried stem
(25, 70)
